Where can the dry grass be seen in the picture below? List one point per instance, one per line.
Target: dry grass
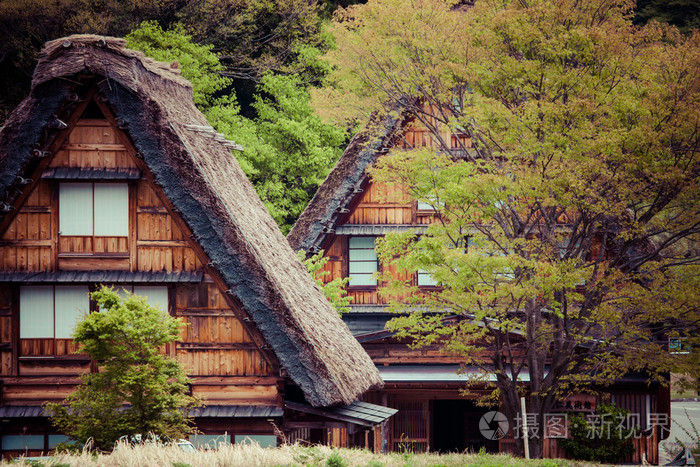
(254, 455)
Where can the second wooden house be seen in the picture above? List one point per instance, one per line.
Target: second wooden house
(344, 219)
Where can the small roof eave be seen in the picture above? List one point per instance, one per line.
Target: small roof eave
(358, 413)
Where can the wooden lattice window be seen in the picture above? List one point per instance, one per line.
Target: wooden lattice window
(410, 427)
(362, 261)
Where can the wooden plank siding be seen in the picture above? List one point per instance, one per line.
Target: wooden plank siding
(217, 350)
(381, 203)
(215, 342)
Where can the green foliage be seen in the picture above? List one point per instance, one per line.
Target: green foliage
(198, 63)
(25, 25)
(602, 439)
(288, 150)
(127, 341)
(256, 36)
(692, 433)
(335, 460)
(334, 290)
(253, 37)
(308, 455)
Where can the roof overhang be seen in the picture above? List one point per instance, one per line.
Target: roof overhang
(22, 411)
(210, 411)
(439, 374)
(238, 411)
(77, 173)
(111, 277)
(358, 413)
(378, 229)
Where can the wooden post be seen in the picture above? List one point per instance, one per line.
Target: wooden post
(525, 439)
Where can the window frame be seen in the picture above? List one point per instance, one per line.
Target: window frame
(351, 261)
(90, 306)
(422, 273)
(100, 224)
(53, 312)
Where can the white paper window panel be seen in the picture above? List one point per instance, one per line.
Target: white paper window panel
(362, 255)
(75, 208)
(265, 441)
(425, 279)
(22, 442)
(36, 312)
(72, 303)
(361, 242)
(111, 210)
(155, 296)
(362, 267)
(425, 206)
(362, 279)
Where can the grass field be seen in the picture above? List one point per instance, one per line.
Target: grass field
(253, 455)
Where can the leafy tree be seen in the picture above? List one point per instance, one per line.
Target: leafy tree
(333, 290)
(126, 339)
(255, 36)
(198, 63)
(567, 224)
(288, 149)
(252, 37)
(25, 25)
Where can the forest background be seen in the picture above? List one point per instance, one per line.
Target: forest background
(254, 65)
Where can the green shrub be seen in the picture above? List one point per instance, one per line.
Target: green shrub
(606, 440)
(334, 460)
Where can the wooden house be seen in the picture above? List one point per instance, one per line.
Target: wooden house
(110, 175)
(347, 214)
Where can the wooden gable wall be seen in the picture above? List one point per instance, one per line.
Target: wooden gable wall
(381, 204)
(219, 350)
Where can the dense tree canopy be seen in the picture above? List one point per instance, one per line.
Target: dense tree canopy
(126, 339)
(684, 14)
(251, 37)
(567, 235)
(287, 149)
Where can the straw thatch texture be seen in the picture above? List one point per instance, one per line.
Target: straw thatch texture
(206, 185)
(338, 189)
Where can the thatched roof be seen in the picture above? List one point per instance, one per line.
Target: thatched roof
(342, 184)
(206, 185)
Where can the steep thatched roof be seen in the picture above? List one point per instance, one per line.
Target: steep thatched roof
(340, 187)
(206, 185)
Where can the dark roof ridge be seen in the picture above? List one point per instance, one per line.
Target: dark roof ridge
(338, 189)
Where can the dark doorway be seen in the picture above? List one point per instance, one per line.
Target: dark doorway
(455, 427)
